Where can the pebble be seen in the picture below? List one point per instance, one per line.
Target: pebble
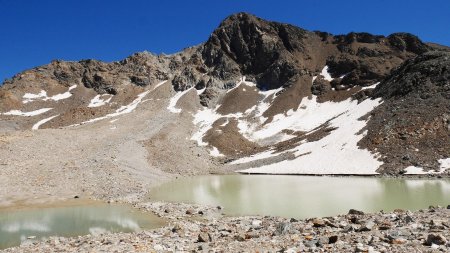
(436, 239)
(256, 224)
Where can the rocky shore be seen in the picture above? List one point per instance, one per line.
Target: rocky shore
(193, 228)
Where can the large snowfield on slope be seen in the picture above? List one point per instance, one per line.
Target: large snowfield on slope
(336, 153)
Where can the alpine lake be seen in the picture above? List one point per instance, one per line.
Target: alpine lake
(287, 196)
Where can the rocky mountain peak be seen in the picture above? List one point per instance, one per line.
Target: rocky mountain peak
(246, 45)
(240, 17)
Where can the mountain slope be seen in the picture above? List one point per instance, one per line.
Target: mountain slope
(263, 97)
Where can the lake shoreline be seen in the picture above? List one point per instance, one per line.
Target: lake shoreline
(205, 228)
(196, 227)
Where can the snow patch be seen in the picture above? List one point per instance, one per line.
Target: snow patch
(29, 97)
(413, 170)
(199, 92)
(98, 101)
(64, 95)
(445, 164)
(204, 119)
(42, 95)
(373, 86)
(27, 114)
(174, 100)
(325, 74)
(215, 152)
(237, 85)
(43, 121)
(159, 84)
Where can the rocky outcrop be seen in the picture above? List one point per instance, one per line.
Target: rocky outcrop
(412, 126)
(246, 45)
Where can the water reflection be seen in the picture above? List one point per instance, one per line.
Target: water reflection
(20, 225)
(301, 197)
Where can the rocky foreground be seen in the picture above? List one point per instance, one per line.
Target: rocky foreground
(205, 229)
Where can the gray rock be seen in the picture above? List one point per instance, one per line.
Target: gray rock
(361, 248)
(282, 228)
(311, 243)
(204, 237)
(318, 223)
(355, 212)
(256, 224)
(435, 239)
(368, 226)
(333, 239)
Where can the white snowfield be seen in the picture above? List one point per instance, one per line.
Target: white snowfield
(309, 115)
(42, 95)
(336, 153)
(26, 114)
(97, 101)
(43, 121)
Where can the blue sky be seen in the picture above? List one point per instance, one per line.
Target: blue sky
(35, 32)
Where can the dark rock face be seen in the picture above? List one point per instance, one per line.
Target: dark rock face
(422, 76)
(407, 42)
(246, 45)
(411, 127)
(277, 54)
(320, 87)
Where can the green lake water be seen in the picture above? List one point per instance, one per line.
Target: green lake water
(304, 196)
(25, 224)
